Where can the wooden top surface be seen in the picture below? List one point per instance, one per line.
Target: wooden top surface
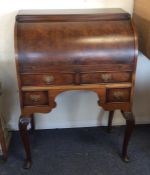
(72, 14)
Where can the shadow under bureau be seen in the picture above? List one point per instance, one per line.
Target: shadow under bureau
(60, 50)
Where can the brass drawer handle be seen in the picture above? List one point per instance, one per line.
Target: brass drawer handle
(35, 98)
(118, 95)
(48, 79)
(106, 77)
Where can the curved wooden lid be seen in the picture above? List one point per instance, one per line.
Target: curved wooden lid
(72, 15)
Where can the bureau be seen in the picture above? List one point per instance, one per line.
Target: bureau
(60, 50)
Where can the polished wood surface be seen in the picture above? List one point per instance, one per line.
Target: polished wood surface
(71, 15)
(35, 98)
(70, 78)
(83, 44)
(118, 95)
(79, 50)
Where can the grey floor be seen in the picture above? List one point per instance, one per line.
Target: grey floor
(82, 151)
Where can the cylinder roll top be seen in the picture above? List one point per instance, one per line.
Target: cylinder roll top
(94, 38)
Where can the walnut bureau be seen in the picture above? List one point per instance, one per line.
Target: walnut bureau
(60, 50)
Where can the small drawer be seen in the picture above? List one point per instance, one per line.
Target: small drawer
(105, 77)
(47, 79)
(118, 95)
(35, 98)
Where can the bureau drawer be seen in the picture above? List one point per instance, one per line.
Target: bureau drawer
(105, 77)
(47, 79)
(35, 98)
(118, 95)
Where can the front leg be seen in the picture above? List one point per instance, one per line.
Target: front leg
(23, 123)
(130, 123)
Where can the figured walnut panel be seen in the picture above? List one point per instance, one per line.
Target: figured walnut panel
(47, 79)
(118, 95)
(80, 43)
(105, 77)
(35, 98)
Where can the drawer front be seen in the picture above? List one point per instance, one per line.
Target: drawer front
(47, 79)
(106, 77)
(118, 95)
(35, 98)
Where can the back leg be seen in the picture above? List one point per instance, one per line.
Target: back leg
(110, 118)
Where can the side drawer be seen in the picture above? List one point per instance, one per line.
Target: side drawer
(105, 77)
(47, 79)
(35, 98)
(118, 95)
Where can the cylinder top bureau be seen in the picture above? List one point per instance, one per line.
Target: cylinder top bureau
(61, 50)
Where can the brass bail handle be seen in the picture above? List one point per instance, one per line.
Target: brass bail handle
(106, 77)
(48, 79)
(118, 95)
(35, 98)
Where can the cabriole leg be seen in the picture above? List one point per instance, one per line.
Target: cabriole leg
(130, 123)
(110, 118)
(23, 123)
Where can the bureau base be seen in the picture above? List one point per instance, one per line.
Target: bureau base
(24, 121)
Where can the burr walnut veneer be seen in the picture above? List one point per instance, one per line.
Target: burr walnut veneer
(62, 50)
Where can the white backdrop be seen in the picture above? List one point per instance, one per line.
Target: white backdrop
(73, 109)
